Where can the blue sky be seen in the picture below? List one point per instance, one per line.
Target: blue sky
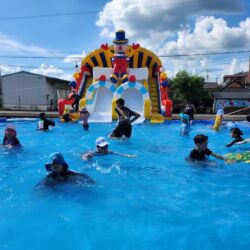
(69, 29)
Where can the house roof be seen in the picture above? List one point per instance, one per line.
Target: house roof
(26, 72)
(210, 85)
(232, 95)
(230, 82)
(240, 74)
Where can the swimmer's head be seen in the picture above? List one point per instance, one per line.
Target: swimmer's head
(101, 144)
(56, 163)
(83, 111)
(42, 115)
(120, 102)
(220, 112)
(236, 132)
(10, 131)
(201, 141)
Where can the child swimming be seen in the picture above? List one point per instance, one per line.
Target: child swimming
(201, 150)
(59, 173)
(235, 133)
(102, 149)
(10, 139)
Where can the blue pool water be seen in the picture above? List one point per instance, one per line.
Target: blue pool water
(155, 201)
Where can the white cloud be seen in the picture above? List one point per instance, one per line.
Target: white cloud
(7, 69)
(210, 35)
(152, 23)
(179, 27)
(75, 58)
(13, 46)
(234, 67)
(51, 70)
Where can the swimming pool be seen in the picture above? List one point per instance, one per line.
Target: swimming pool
(154, 201)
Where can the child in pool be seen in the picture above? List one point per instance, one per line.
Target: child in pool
(102, 149)
(60, 173)
(185, 124)
(200, 151)
(126, 117)
(44, 123)
(66, 115)
(218, 120)
(248, 118)
(190, 110)
(10, 139)
(235, 133)
(85, 117)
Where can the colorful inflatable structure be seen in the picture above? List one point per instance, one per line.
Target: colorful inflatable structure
(121, 70)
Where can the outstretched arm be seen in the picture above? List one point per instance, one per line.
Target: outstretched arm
(126, 155)
(222, 158)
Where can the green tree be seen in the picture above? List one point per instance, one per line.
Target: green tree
(186, 88)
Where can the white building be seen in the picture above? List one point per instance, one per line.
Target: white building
(28, 91)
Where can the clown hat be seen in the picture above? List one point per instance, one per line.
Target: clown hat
(120, 37)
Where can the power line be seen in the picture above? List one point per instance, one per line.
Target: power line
(96, 11)
(38, 67)
(173, 55)
(207, 54)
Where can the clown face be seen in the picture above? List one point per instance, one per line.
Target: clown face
(121, 47)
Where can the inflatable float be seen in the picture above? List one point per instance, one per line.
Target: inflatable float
(121, 70)
(239, 157)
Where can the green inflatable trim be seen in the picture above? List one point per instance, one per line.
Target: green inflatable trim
(240, 157)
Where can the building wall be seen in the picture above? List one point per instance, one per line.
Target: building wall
(27, 91)
(222, 103)
(24, 91)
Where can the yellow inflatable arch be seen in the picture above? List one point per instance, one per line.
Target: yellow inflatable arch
(142, 58)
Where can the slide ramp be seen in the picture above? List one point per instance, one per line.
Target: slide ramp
(101, 106)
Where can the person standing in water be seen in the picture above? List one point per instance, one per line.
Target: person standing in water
(126, 117)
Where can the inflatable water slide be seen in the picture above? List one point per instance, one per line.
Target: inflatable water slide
(121, 71)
